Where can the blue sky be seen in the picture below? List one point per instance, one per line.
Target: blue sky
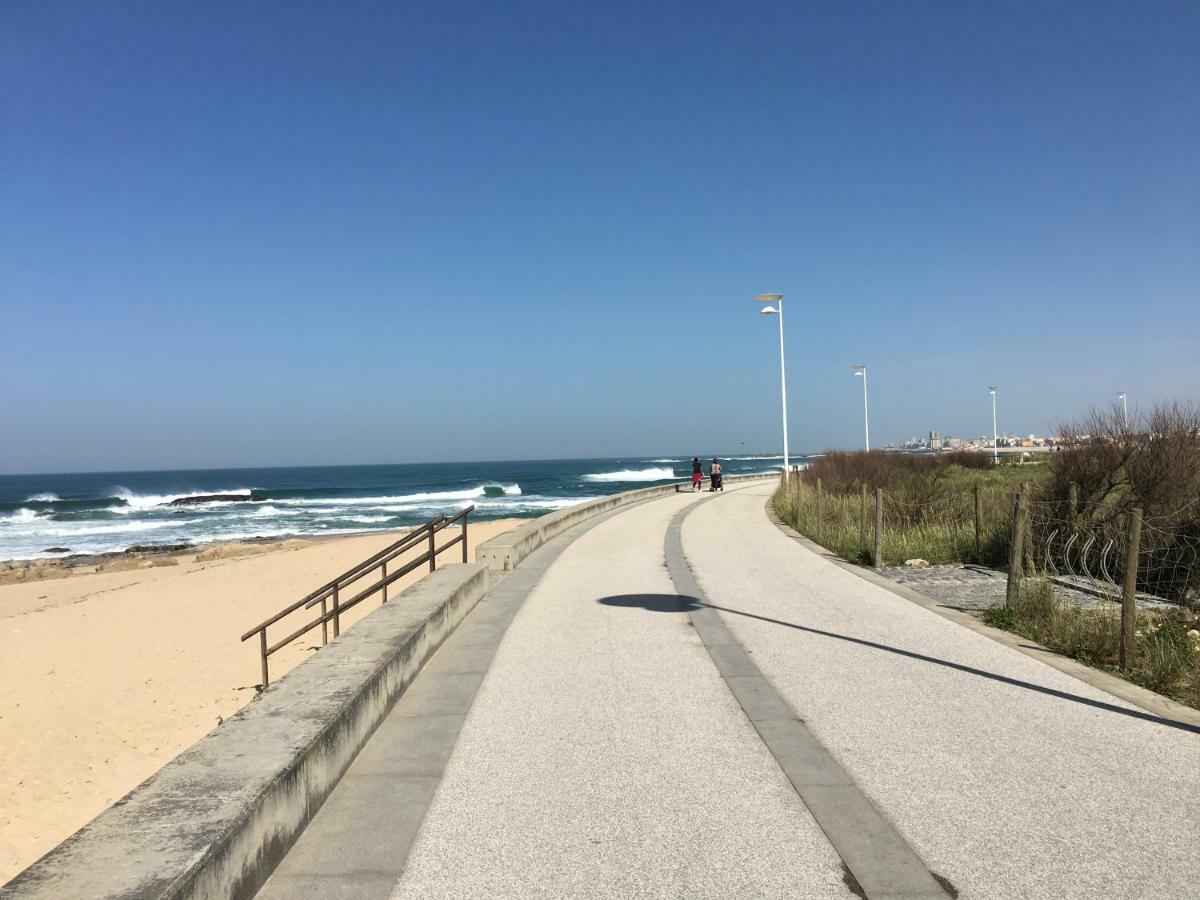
(273, 234)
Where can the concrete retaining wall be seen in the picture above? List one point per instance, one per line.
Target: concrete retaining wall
(505, 551)
(215, 821)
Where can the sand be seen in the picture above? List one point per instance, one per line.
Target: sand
(108, 676)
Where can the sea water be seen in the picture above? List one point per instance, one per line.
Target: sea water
(110, 511)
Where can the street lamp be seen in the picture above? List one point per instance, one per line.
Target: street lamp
(862, 370)
(1124, 408)
(995, 442)
(769, 310)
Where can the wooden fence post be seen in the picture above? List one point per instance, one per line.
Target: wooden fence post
(862, 519)
(978, 525)
(878, 528)
(1129, 594)
(1072, 503)
(1016, 554)
(820, 512)
(1027, 542)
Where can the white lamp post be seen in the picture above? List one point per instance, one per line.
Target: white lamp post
(862, 370)
(1124, 408)
(995, 441)
(769, 310)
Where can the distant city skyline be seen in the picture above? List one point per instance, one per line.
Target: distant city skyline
(320, 234)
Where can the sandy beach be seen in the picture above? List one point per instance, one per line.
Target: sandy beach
(107, 676)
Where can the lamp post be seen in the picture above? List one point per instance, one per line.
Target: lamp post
(862, 370)
(995, 442)
(769, 310)
(1124, 409)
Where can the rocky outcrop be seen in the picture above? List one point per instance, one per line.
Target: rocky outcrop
(230, 551)
(159, 562)
(212, 498)
(121, 565)
(36, 570)
(155, 548)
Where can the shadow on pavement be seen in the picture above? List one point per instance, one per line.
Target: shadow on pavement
(676, 603)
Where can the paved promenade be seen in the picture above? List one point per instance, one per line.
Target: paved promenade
(678, 700)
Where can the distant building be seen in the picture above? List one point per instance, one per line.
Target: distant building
(935, 440)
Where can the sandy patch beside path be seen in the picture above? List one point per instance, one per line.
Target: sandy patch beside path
(106, 677)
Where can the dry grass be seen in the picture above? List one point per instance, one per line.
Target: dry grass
(1166, 657)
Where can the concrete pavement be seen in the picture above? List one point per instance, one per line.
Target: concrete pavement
(604, 756)
(581, 735)
(1007, 789)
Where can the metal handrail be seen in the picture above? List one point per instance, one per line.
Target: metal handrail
(424, 535)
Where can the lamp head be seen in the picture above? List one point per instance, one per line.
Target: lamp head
(859, 370)
(767, 298)
(768, 310)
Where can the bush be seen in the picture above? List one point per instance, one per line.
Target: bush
(929, 505)
(1151, 461)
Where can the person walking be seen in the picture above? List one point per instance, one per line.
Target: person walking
(716, 479)
(697, 473)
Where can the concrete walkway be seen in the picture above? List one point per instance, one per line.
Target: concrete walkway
(1004, 788)
(594, 729)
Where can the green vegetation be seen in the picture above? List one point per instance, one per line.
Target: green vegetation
(928, 506)
(1167, 654)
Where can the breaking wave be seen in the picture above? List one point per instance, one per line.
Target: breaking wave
(656, 474)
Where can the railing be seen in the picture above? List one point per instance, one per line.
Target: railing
(329, 596)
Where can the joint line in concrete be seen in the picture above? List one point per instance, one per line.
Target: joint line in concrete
(876, 854)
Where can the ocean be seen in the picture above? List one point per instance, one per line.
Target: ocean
(55, 516)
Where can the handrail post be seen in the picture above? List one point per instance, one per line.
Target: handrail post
(324, 621)
(262, 648)
(464, 536)
(384, 567)
(337, 613)
(432, 549)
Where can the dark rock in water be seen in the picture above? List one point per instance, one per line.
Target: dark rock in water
(157, 548)
(212, 498)
(57, 550)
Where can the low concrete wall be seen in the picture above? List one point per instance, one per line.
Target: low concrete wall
(505, 551)
(215, 821)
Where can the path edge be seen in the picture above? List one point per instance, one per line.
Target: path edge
(1141, 697)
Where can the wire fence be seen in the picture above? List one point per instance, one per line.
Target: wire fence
(1093, 553)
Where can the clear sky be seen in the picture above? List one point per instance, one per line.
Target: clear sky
(303, 233)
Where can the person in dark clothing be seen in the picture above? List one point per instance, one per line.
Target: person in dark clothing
(697, 473)
(716, 479)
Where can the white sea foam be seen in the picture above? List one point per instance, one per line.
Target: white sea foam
(19, 516)
(660, 474)
(85, 529)
(666, 460)
(475, 493)
(45, 497)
